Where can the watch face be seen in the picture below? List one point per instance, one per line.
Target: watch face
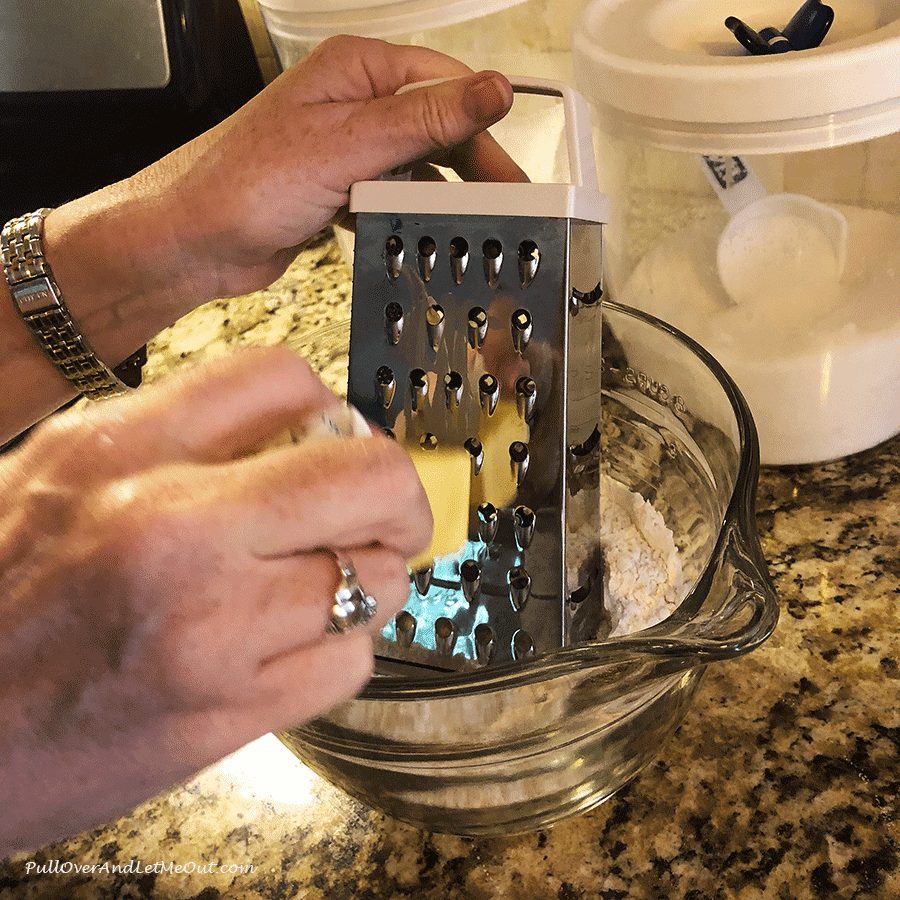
(58, 46)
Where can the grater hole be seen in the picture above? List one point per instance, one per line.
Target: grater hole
(519, 579)
(484, 642)
(459, 258)
(529, 252)
(519, 461)
(488, 393)
(393, 322)
(526, 397)
(418, 388)
(522, 645)
(478, 326)
(488, 522)
(386, 385)
(434, 325)
(428, 441)
(493, 261)
(393, 256)
(444, 635)
(524, 521)
(521, 330)
(422, 580)
(488, 384)
(427, 251)
(518, 451)
(492, 249)
(459, 248)
(453, 389)
(475, 449)
(470, 577)
(529, 262)
(405, 628)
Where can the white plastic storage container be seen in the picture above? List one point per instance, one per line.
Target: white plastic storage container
(531, 38)
(756, 204)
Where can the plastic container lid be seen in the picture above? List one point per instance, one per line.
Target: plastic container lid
(317, 19)
(672, 74)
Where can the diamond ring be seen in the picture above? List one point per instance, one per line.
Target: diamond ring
(353, 607)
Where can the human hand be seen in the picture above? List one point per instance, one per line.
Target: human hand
(224, 214)
(233, 206)
(164, 590)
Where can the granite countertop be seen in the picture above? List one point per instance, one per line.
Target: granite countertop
(780, 783)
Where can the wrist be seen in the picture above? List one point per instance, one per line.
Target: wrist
(121, 269)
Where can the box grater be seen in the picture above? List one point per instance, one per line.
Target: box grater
(475, 337)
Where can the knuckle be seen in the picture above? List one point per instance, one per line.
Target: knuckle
(139, 524)
(77, 440)
(51, 506)
(437, 119)
(280, 366)
(395, 581)
(341, 45)
(280, 357)
(393, 470)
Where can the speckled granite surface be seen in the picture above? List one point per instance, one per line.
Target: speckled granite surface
(781, 783)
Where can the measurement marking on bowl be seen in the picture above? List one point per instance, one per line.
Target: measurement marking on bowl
(649, 387)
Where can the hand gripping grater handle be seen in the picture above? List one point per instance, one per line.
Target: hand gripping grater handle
(475, 340)
(580, 199)
(579, 144)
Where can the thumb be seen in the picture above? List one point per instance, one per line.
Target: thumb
(399, 130)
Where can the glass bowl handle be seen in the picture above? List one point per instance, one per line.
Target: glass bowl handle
(738, 613)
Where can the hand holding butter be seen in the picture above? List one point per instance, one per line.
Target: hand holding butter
(443, 471)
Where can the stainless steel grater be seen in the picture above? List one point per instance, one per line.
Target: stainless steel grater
(475, 337)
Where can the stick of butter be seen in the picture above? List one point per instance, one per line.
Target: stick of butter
(445, 473)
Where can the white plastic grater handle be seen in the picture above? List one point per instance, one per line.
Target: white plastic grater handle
(579, 137)
(579, 199)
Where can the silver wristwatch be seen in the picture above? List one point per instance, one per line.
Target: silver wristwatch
(40, 303)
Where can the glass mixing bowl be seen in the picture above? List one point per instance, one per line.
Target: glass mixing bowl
(518, 747)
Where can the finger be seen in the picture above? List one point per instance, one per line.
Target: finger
(297, 594)
(427, 172)
(483, 159)
(287, 691)
(224, 409)
(415, 125)
(383, 575)
(299, 686)
(333, 493)
(347, 68)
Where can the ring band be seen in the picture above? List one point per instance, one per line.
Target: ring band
(353, 607)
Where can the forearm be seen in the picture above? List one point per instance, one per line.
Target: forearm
(124, 274)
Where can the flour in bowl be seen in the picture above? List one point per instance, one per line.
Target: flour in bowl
(643, 579)
(643, 582)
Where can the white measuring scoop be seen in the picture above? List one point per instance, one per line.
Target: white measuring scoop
(778, 248)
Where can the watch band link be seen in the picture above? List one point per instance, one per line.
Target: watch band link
(40, 303)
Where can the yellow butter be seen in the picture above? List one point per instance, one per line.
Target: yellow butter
(496, 483)
(445, 474)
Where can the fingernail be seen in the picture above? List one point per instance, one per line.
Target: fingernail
(486, 97)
